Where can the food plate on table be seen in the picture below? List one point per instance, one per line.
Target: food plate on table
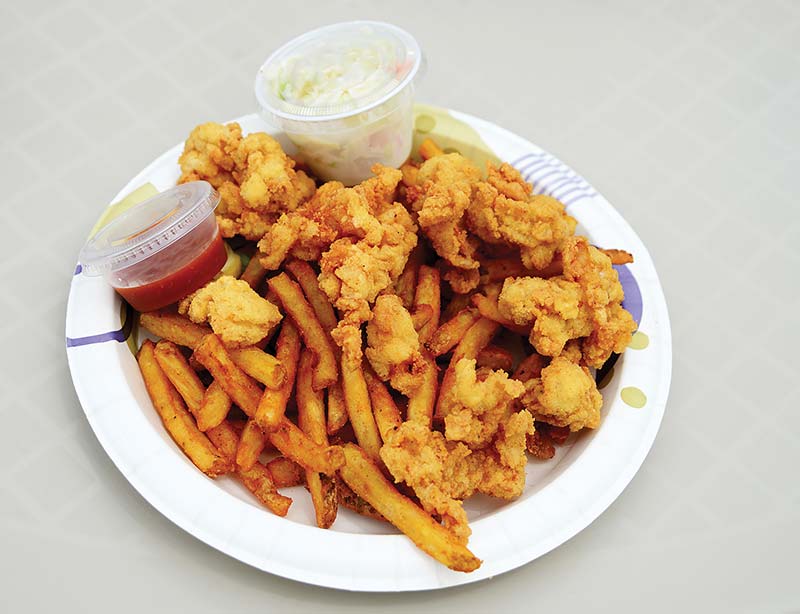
(352, 316)
(561, 496)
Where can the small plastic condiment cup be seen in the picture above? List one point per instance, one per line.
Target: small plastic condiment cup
(159, 250)
(342, 139)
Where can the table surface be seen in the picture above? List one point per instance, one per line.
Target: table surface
(683, 114)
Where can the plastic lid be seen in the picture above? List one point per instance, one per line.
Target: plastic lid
(148, 227)
(337, 70)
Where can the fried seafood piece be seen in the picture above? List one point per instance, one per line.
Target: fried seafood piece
(504, 211)
(256, 180)
(233, 309)
(445, 190)
(584, 303)
(393, 347)
(565, 395)
(362, 239)
(443, 473)
(207, 153)
(478, 403)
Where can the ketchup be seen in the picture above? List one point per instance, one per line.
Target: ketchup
(177, 284)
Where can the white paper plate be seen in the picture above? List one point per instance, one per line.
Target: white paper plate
(562, 496)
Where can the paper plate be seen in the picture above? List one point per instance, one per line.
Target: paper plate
(562, 496)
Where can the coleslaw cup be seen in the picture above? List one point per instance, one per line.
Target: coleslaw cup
(344, 95)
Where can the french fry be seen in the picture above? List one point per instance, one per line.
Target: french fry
(447, 336)
(173, 327)
(495, 357)
(456, 303)
(529, 368)
(272, 405)
(176, 418)
(262, 367)
(474, 340)
(286, 473)
(365, 479)
(410, 172)
(286, 437)
(428, 293)
(618, 256)
(256, 479)
(487, 307)
(352, 501)
(406, 282)
(387, 416)
(214, 408)
(429, 149)
(319, 302)
(499, 269)
(422, 402)
(297, 446)
(359, 408)
(420, 317)
(337, 410)
(315, 337)
(311, 420)
(242, 389)
(251, 444)
(254, 273)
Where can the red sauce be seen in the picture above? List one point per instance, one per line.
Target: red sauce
(177, 284)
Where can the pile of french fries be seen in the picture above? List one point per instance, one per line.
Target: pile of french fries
(304, 415)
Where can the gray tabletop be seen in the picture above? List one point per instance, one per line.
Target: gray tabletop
(684, 114)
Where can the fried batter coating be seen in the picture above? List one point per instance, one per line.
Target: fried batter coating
(233, 309)
(478, 402)
(447, 184)
(443, 473)
(255, 178)
(207, 153)
(537, 224)
(362, 239)
(584, 303)
(393, 347)
(565, 395)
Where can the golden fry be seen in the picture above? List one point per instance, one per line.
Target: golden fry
(496, 358)
(252, 443)
(262, 367)
(387, 416)
(420, 317)
(243, 390)
(319, 302)
(254, 273)
(429, 149)
(359, 408)
(422, 402)
(487, 307)
(285, 472)
(529, 368)
(618, 256)
(428, 293)
(315, 338)
(296, 445)
(364, 477)
(352, 501)
(214, 408)
(272, 405)
(176, 418)
(337, 410)
(311, 419)
(180, 374)
(175, 328)
(447, 336)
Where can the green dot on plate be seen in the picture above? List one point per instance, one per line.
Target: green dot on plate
(639, 341)
(424, 123)
(451, 150)
(633, 396)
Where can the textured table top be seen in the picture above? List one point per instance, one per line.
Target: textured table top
(684, 114)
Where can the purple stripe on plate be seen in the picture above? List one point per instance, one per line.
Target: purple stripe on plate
(578, 197)
(535, 164)
(521, 159)
(78, 269)
(633, 296)
(116, 335)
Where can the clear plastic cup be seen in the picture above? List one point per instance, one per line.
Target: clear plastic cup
(344, 96)
(161, 249)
